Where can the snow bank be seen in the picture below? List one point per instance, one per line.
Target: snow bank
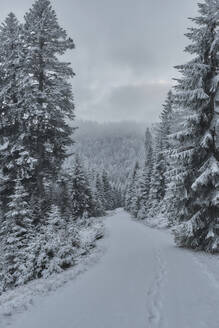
(21, 298)
(156, 222)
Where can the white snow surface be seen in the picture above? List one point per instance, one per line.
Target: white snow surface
(141, 280)
(158, 222)
(22, 298)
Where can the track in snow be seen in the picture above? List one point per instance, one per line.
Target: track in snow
(141, 281)
(155, 293)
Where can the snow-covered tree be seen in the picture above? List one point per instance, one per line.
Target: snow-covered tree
(10, 129)
(113, 147)
(45, 94)
(133, 194)
(136, 198)
(157, 184)
(166, 120)
(175, 195)
(81, 195)
(36, 103)
(54, 246)
(145, 178)
(17, 231)
(161, 161)
(196, 92)
(165, 131)
(117, 193)
(63, 196)
(11, 47)
(99, 196)
(107, 192)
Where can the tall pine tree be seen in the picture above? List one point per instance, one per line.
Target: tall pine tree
(145, 179)
(12, 154)
(18, 235)
(196, 92)
(157, 185)
(45, 94)
(81, 195)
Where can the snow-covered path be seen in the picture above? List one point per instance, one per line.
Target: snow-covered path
(142, 281)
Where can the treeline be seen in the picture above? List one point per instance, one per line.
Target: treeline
(112, 146)
(180, 176)
(148, 184)
(42, 206)
(81, 194)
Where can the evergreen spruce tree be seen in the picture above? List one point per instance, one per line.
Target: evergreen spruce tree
(107, 192)
(10, 129)
(99, 196)
(161, 161)
(132, 198)
(63, 198)
(196, 92)
(18, 235)
(35, 207)
(117, 196)
(136, 195)
(166, 120)
(165, 130)
(45, 95)
(36, 103)
(157, 185)
(10, 38)
(54, 251)
(145, 179)
(175, 196)
(81, 195)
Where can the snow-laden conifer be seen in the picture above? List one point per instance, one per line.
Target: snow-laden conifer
(133, 192)
(17, 236)
(166, 121)
(81, 196)
(145, 178)
(45, 92)
(196, 92)
(99, 196)
(107, 192)
(130, 192)
(55, 245)
(157, 184)
(10, 121)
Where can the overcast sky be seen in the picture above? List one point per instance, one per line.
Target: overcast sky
(125, 52)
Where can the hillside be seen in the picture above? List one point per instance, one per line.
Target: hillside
(114, 147)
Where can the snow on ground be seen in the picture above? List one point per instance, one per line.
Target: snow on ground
(157, 222)
(22, 298)
(141, 280)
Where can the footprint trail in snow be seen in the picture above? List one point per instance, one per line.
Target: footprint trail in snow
(155, 297)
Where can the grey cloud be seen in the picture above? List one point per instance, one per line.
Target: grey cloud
(131, 102)
(119, 43)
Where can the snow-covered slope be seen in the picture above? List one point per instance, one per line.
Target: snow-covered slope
(114, 147)
(142, 280)
(21, 298)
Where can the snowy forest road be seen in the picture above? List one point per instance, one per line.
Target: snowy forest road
(142, 281)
